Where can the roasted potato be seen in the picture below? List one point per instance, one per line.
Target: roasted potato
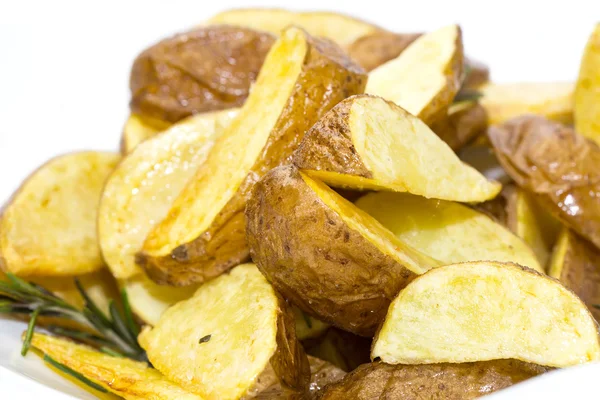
(425, 77)
(131, 380)
(218, 342)
(576, 263)
(587, 90)
(141, 190)
(326, 256)
(366, 142)
(560, 167)
(343, 349)
(447, 231)
(307, 327)
(48, 227)
(504, 101)
(377, 48)
(475, 74)
(423, 382)
(465, 121)
(483, 311)
(207, 69)
(137, 129)
(203, 234)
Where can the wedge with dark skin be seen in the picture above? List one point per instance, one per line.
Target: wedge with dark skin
(465, 121)
(326, 256)
(435, 381)
(366, 142)
(558, 166)
(576, 263)
(204, 233)
(207, 69)
(343, 349)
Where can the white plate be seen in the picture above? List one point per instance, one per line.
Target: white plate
(64, 69)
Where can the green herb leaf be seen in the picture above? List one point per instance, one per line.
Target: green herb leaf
(73, 373)
(205, 339)
(29, 334)
(131, 323)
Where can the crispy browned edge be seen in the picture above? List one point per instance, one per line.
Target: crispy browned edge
(328, 76)
(580, 271)
(328, 145)
(431, 381)
(315, 260)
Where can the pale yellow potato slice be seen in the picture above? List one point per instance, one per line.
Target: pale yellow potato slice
(132, 380)
(480, 311)
(149, 301)
(219, 342)
(137, 129)
(425, 77)
(504, 101)
(340, 28)
(48, 227)
(447, 231)
(141, 190)
(366, 142)
(587, 90)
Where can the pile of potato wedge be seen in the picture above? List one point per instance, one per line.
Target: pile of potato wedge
(309, 206)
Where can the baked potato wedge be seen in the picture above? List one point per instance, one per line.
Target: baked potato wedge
(343, 349)
(576, 263)
(325, 255)
(587, 90)
(504, 101)
(481, 311)
(204, 232)
(377, 48)
(434, 381)
(366, 142)
(141, 190)
(207, 69)
(131, 380)
(475, 74)
(218, 342)
(464, 122)
(558, 166)
(307, 327)
(450, 232)
(48, 227)
(137, 129)
(425, 77)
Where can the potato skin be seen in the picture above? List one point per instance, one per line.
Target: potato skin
(206, 69)
(343, 349)
(328, 76)
(314, 259)
(432, 381)
(560, 167)
(370, 51)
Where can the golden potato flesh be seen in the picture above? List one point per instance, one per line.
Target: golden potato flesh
(486, 310)
(587, 90)
(233, 329)
(447, 231)
(576, 263)
(424, 382)
(207, 69)
(558, 166)
(325, 255)
(425, 77)
(504, 101)
(141, 190)
(137, 129)
(48, 228)
(131, 380)
(366, 142)
(203, 234)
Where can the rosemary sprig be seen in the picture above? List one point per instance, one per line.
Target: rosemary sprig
(73, 373)
(467, 95)
(113, 334)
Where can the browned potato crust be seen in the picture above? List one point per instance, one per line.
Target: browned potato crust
(372, 50)
(476, 74)
(556, 164)
(207, 69)
(462, 125)
(434, 381)
(308, 252)
(343, 349)
(576, 263)
(325, 76)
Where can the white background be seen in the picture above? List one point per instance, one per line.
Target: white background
(64, 65)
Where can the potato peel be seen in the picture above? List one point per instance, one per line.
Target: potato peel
(482, 311)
